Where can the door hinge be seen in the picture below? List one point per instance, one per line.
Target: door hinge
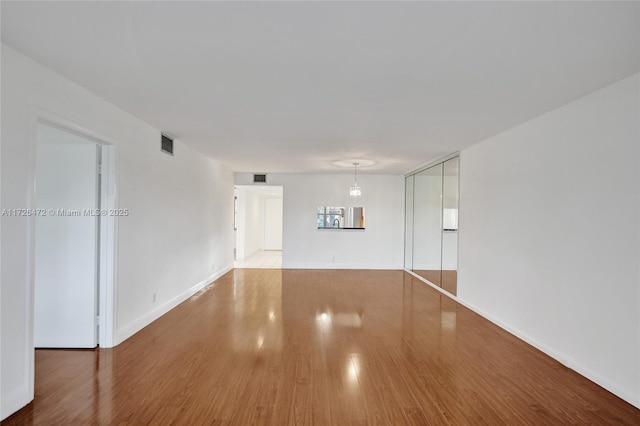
(99, 169)
(98, 320)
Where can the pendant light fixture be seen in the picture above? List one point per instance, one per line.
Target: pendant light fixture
(355, 190)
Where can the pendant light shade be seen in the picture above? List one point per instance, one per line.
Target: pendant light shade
(354, 190)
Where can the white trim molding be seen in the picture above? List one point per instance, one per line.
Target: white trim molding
(132, 328)
(15, 401)
(561, 358)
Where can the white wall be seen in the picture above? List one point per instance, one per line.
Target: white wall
(379, 246)
(549, 234)
(272, 223)
(179, 234)
(251, 222)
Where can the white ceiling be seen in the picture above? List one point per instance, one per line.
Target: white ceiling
(296, 86)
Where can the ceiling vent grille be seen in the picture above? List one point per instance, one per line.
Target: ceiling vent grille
(259, 178)
(166, 144)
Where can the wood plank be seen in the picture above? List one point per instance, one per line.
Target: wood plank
(271, 346)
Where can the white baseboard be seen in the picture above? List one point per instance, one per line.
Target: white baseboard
(14, 401)
(132, 328)
(558, 356)
(332, 265)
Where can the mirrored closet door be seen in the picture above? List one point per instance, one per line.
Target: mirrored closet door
(450, 202)
(431, 224)
(427, 224)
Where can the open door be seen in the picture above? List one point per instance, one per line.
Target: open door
(66, 240)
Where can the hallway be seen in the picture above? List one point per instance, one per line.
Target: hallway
(261, 259)
(316, 346)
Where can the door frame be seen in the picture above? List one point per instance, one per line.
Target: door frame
(108, 231)
(241, 216)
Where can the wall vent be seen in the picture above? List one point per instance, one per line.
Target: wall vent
(166, 144)
(259, 178)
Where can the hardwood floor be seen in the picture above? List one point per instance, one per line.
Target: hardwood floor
(269, 346)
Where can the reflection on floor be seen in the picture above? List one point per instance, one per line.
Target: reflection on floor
(284, 347)
(263, 259)
(447, 280)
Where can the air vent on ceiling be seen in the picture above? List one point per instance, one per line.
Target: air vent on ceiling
(259, 178)
(167, 144)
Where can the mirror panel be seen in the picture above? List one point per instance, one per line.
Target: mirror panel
(431, 224)
(408, 223)
(340, 217)
(450, 204)
(427, 224)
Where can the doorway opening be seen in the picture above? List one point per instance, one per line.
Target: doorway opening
(258, 226)
(72, 255)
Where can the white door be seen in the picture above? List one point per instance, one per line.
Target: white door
(65, 240)
(273, 224)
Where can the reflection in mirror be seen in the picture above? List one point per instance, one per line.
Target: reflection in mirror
(450, 202)
(427, 224)
(340, 217)
(431, 224)
(408, 223)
